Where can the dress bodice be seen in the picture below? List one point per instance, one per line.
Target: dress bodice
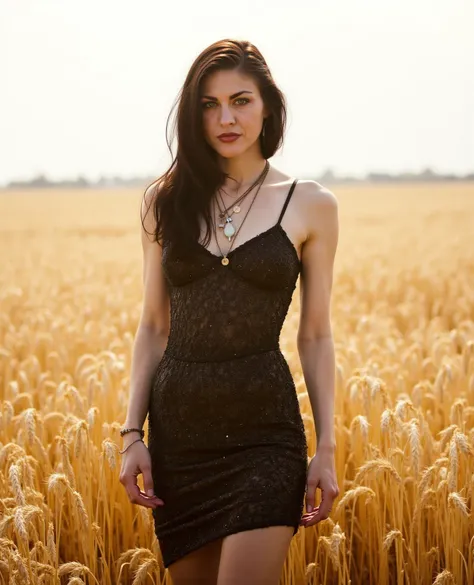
(221, 312)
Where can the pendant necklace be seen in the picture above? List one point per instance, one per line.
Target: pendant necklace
(265, 170)
(235, 205)
(229, 229)
(225, 260)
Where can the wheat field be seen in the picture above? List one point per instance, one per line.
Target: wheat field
(403, 325)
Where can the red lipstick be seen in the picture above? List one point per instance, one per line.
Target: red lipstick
(228, 137)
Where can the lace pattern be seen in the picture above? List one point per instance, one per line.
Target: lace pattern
(225, 432)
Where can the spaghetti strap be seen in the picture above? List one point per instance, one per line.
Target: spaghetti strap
(288, 197)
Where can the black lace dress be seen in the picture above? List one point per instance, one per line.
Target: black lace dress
(225, 431)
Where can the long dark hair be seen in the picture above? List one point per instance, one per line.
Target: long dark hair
(186, 188)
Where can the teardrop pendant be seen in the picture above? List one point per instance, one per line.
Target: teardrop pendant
(229, 230)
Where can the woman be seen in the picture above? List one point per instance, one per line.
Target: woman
(226, 468)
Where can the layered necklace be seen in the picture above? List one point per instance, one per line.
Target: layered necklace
(230, 232)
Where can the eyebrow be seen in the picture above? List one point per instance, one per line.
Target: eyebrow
(234, 95)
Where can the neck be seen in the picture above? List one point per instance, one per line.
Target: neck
(242, 170)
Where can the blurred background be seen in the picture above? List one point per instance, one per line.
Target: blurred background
(375, 88)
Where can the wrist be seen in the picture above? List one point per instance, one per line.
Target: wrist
(129, 427)
(130, 437)
(130, 445)
(326, 446)
(130, 432)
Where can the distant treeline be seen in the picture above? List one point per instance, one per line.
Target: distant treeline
(329, 176)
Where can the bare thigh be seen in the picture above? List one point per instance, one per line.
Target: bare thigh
(254, 557)
(199, 567)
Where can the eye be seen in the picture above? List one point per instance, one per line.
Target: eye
(206, 104)
(242, 99)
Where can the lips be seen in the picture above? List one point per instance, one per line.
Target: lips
(228, 137)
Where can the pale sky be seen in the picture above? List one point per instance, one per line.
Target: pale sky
(372, 85)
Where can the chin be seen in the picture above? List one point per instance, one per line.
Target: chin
(228, 154)
(230, 150)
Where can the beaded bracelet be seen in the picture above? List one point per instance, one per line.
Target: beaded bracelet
(136, 441)
(125, 431)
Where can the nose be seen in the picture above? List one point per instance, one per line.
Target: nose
(227, 117)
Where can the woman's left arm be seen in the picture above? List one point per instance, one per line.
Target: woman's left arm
(315, 342)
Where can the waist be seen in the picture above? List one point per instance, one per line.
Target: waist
(224, 357)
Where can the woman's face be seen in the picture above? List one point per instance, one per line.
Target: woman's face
(231, 103)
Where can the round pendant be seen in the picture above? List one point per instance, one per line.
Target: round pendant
(236, 209)
(225, 261)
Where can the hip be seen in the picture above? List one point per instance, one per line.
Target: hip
(250, 395)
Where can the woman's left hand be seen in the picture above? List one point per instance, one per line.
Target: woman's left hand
(321, 474)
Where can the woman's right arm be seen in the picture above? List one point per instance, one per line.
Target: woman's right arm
(149, 344)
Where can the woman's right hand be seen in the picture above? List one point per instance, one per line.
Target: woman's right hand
(136, 460)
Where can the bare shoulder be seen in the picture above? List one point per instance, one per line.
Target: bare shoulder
(315, 194)
(147, 204)
(150, 193)
(318, 205)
